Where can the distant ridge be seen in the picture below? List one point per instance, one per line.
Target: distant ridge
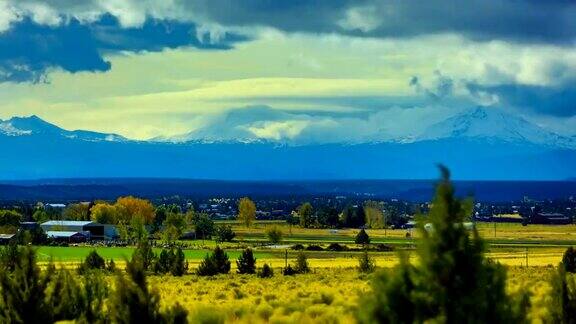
(65, 190)
(36, 149)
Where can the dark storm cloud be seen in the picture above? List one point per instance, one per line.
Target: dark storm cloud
(551, 21)
(554, 101)
(28, 49)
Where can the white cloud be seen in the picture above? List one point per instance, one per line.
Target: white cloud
(8, 15)
(42, 14)
(364, 18)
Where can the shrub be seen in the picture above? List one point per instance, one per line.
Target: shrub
(301, 263)
(337, 247)
(266, 271)
(111, 266)
(224, 233)
(246, 263)
(362, 237)
(314, 247)
(134, 302)
(289, 271)
(274, 235)
(215, 263)
(93, 261)
(569, 260)
(365, 263)
(562, 301)
(384, 248)
(297, 247)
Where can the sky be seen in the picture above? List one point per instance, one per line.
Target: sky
(304, 71)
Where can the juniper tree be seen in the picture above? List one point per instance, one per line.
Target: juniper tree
(301, 263)
(569, 260)
(266, 271)
(362, 237)
(453, 281)
(179, 264)
(366, 263)
(214, 263)
(246, 263)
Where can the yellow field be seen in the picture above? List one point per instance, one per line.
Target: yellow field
(489, 231)
(328, 295)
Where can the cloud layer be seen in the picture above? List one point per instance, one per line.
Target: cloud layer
(300, 71)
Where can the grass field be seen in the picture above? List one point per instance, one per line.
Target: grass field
(542, 244)
(325, 296)
(331, 293)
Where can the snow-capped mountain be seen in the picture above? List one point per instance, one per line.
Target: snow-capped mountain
(479, 145)
(494, 124)
(34, 125)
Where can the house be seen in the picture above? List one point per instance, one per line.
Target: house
(68, 236)
(95, 231)
(6, 238)
(550, 218)
(29, 226)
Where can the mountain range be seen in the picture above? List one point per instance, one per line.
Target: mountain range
(478, 144)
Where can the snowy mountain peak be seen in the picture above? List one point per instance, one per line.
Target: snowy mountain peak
(494, 124)
(34, 125)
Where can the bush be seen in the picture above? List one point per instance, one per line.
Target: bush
(569, 260)
(266, 271)
(301, 263)
(274, 235)
(366, 263)
(336, 247)
(215, 263)
(93, 261)
(384, 248)
(562, 301)
(362, 237)
(246, 262)
(224, 233)
(289, 271)
(314, 247)
(134, 302)
(297, 247)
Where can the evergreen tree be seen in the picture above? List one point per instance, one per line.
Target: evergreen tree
(452, 283)
(301, 263)
(305, 212)
(224, 233)
(365, 263)
(164, 262)
(562, 301)
(214, 264)
(569, 260)
(23, 288)
(179, 263)
(362, 237)
(134, 302)
(246, 263)
(145, 254)
(93, 261)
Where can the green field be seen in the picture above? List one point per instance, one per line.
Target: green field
(78, 253)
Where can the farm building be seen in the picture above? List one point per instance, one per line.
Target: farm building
(6, 238)
(95, 231)
(68, 236)
(550, 218)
